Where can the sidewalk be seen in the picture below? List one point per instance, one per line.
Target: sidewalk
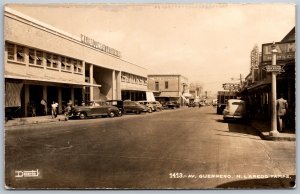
(33, 120)
(264, 129)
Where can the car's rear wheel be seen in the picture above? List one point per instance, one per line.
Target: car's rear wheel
(150, 110)
(111, 114)
(82, 115)
(138, 112)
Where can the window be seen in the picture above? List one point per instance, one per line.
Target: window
(77, 66)
(156, 86)
(10, 51)
(55, 61)
(20, 54)
(39, 57)
(31, 54)
(63, 63)
(123, 77)
(49, 60)
(166, 84)
(68, 64)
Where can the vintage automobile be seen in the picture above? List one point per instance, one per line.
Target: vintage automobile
(117, 103)
(172, 104)
(135, 107)
(94, 109)
(235, 109)
(157, 105)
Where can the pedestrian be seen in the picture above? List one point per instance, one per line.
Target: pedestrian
(54, 109)
(44, 106)
(282, 106)
(67, 111)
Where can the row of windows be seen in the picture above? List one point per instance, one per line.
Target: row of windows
(157, 85)
(130, 78)
(40, 58)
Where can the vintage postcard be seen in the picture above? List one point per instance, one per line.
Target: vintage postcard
(149, 96)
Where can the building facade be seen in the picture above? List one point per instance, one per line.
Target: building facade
(45, 64)
(169, 88)
(257, 89)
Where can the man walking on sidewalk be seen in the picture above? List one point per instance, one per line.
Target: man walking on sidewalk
(282, 107)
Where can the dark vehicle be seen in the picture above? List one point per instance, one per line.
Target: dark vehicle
(193, 104)
(172, 104)
(95, 108)
(12, 112)
(135, 107)
(117, 103)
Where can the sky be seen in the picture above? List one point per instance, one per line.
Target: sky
(207, 43)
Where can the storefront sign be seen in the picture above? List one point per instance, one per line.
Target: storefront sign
(91, 42)
(286, 51)
(273, 68)
(231, 86)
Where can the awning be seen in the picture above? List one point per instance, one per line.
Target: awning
(13, 93)
(43, 79)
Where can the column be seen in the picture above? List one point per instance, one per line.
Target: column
(45, 98)
(26, 99)
(73, 97)
(59, 101)
(113, 85)
(91, 81)
(118, 85)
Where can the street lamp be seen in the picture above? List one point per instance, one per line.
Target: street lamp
(274, 131)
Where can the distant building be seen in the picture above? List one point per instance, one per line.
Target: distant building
(195, 90)
(168, 87)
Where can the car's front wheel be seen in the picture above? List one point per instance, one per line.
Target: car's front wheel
(150, 110)
(82, 115)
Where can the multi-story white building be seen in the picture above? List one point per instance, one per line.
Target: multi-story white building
(45, 63)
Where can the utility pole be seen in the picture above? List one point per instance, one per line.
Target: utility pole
(274, 131)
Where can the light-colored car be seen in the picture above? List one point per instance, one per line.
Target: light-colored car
(150, 106)
(157, 105)
(235, 109)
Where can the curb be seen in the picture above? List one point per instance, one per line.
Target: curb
(23, 123)
(266, 136)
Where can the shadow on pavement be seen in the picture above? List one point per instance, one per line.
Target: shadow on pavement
(240, 127)
(268, 183)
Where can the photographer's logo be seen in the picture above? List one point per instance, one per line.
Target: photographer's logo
(27, 173)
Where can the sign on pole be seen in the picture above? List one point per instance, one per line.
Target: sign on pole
(273, 68)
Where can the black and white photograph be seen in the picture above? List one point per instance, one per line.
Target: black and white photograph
(149, 96)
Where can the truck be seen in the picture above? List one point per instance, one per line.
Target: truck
(223, 97)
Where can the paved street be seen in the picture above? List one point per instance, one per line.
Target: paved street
(182, 148)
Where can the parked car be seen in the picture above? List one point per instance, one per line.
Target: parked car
(193, 104)
(117, 103)
(95, 108)
(157, 105)
(150, 106)
(135, 107)
(172, 104)
(235, 109)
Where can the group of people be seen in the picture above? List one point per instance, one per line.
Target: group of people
(54, 109)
